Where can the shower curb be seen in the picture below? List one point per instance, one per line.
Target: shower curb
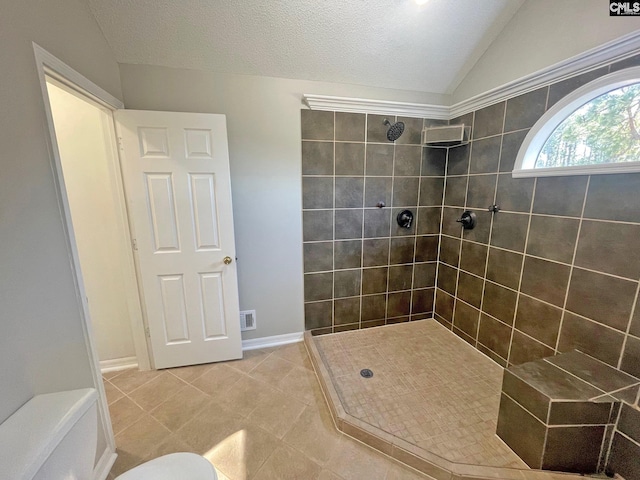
(405, 452)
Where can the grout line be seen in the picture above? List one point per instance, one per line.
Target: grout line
(628, 330)
(625, 435)
(504, 117)
(613, 433)
(497, 320)
(491, 222)
(523, 294)
(503, 286)
(105, 381)
(141, 385)
(590, 219)
(379, 238)
(364, 175)
(415, 238)
(572, 425)
(369, 295)
(333, 238)
(461, 237)
(522, 264)
(496, 354)
(609, 327)
(524, 408)
(364, 196)
(549, 259)
(391, 207)
(512, 326)
(435, 281)
(603, 392)
(512, 212)
(573, 260)
(117, 374)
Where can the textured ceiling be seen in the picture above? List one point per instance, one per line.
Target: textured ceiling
(392, 43)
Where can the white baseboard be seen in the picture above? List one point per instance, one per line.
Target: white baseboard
(252, 344)
(118, 364)
(273, 341)
(103, 467)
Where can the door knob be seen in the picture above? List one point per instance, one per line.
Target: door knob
(227, 260)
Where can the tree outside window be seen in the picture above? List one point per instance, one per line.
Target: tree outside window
(602, 131)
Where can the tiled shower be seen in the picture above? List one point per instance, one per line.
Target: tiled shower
(556, 268)
(361, 268)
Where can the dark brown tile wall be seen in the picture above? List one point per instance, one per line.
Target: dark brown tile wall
(522, 431)
(360, 268)
(558, 267)
(623, 458)
(625, 448)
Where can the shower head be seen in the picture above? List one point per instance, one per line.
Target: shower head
(395, 130)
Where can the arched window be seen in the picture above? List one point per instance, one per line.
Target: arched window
(595, 129)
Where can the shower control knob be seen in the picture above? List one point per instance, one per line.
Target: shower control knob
(468, 220)
(405, 218)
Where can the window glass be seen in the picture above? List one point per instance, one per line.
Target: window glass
(593, 130)
(604, 130)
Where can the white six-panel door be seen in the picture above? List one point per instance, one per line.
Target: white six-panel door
(176, 174)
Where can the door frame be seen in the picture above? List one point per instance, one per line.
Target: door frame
(50, 66)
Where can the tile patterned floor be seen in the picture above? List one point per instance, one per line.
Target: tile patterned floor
(259, 418)
(429, 388)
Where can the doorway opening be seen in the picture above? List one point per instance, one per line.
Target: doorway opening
(85, 137)
(166, 252)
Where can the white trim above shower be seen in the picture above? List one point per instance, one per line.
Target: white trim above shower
(379, 107)
(618, 49)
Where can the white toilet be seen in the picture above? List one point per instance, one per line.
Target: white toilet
(54, 436)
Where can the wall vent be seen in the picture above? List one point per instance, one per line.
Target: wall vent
(446, 136)
(247, 320)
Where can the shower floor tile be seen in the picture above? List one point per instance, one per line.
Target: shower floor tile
(429, 388)
(266, 420)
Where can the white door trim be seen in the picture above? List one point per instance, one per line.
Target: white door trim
(49, 65)
(56, 68)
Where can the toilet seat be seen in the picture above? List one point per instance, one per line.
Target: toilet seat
(175, 466)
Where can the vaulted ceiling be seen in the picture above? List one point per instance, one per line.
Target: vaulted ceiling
(380, 43)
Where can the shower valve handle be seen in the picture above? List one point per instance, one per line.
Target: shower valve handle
(468, 220)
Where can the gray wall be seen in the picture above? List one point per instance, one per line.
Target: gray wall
(263, 121)
(542, 33)
(42, 347)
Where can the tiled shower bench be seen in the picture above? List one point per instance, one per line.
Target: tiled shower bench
(559, 413)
